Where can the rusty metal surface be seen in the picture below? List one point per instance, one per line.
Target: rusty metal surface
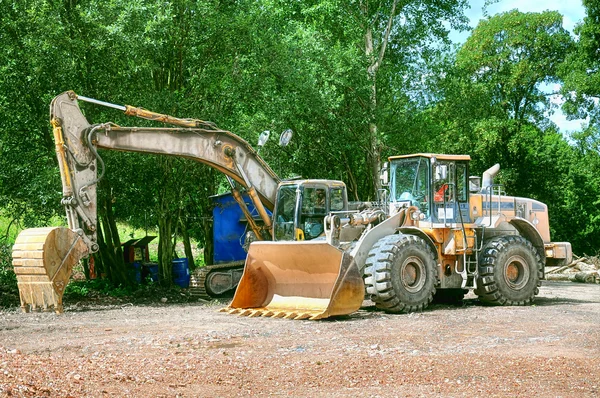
(298, 280)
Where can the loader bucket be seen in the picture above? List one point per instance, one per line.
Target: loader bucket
(43, 259)
(298, 280)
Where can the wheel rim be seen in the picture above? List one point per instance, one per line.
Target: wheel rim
(516, 272)
(413, 274)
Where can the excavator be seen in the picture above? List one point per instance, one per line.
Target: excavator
(294, 210)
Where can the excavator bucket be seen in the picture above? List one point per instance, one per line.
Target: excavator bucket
(43, 259)
(298, 280)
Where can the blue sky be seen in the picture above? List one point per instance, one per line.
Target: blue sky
(572, 11)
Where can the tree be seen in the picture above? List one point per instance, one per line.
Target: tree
(405, 34)
(581, 70)
(511, 55)
(490, 104)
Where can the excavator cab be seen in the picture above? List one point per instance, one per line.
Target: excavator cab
(301, 207)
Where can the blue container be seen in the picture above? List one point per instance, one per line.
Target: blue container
(229, 228)
(136, 269)
(181, 272)
(151, 269)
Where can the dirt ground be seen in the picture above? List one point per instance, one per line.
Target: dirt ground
(190, 350)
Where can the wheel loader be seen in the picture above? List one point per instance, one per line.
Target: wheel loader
(43, 258)
(441, 233)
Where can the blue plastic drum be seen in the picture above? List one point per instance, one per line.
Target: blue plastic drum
(181, 272)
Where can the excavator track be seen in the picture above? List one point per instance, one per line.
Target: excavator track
(216, 281)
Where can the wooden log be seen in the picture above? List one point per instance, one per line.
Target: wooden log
(557, 277)
(564, 267)
(585, 277)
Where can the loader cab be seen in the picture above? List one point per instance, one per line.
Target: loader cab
(436, 184)
(301, 206)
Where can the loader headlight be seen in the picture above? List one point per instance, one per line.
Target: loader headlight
(417, 215)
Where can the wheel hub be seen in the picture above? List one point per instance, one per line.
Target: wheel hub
(413, 274)
(516, 272)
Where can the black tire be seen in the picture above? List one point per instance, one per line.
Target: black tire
(400, 274)
(510, 270)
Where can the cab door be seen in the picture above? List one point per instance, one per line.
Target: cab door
(450, 195)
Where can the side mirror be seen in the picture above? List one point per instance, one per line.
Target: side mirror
(263, 137)
(384, 175)
(474, 184)
(285, 137)
(441, 172)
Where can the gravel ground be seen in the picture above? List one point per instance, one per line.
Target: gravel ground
(550, 349)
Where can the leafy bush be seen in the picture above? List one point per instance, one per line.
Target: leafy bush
(9, 293)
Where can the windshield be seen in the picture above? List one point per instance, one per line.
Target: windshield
(409, 180)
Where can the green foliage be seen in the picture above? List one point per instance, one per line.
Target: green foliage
(581, 71)
(314, 67)
(9, 293)
(510, 55)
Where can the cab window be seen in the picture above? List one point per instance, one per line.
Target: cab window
(337, 199)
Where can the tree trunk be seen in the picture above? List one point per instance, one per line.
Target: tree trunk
(375, 63)
(187, 244)
(101, 269)
(113, 255)
(374, 152)
(110, 247)
(209, 246)
(165, 248)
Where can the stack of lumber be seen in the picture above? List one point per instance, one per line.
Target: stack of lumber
(582, 269)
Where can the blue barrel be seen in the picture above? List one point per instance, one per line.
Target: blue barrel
(136, 270)
(181, 272)
(151, 270)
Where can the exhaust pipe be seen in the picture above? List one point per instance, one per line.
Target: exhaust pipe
(488, 176)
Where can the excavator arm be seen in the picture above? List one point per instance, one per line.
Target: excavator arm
(81, 167)
(78, 140)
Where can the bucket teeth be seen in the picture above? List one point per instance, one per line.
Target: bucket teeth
(303, 316)
(264, 312)
(291, 315)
